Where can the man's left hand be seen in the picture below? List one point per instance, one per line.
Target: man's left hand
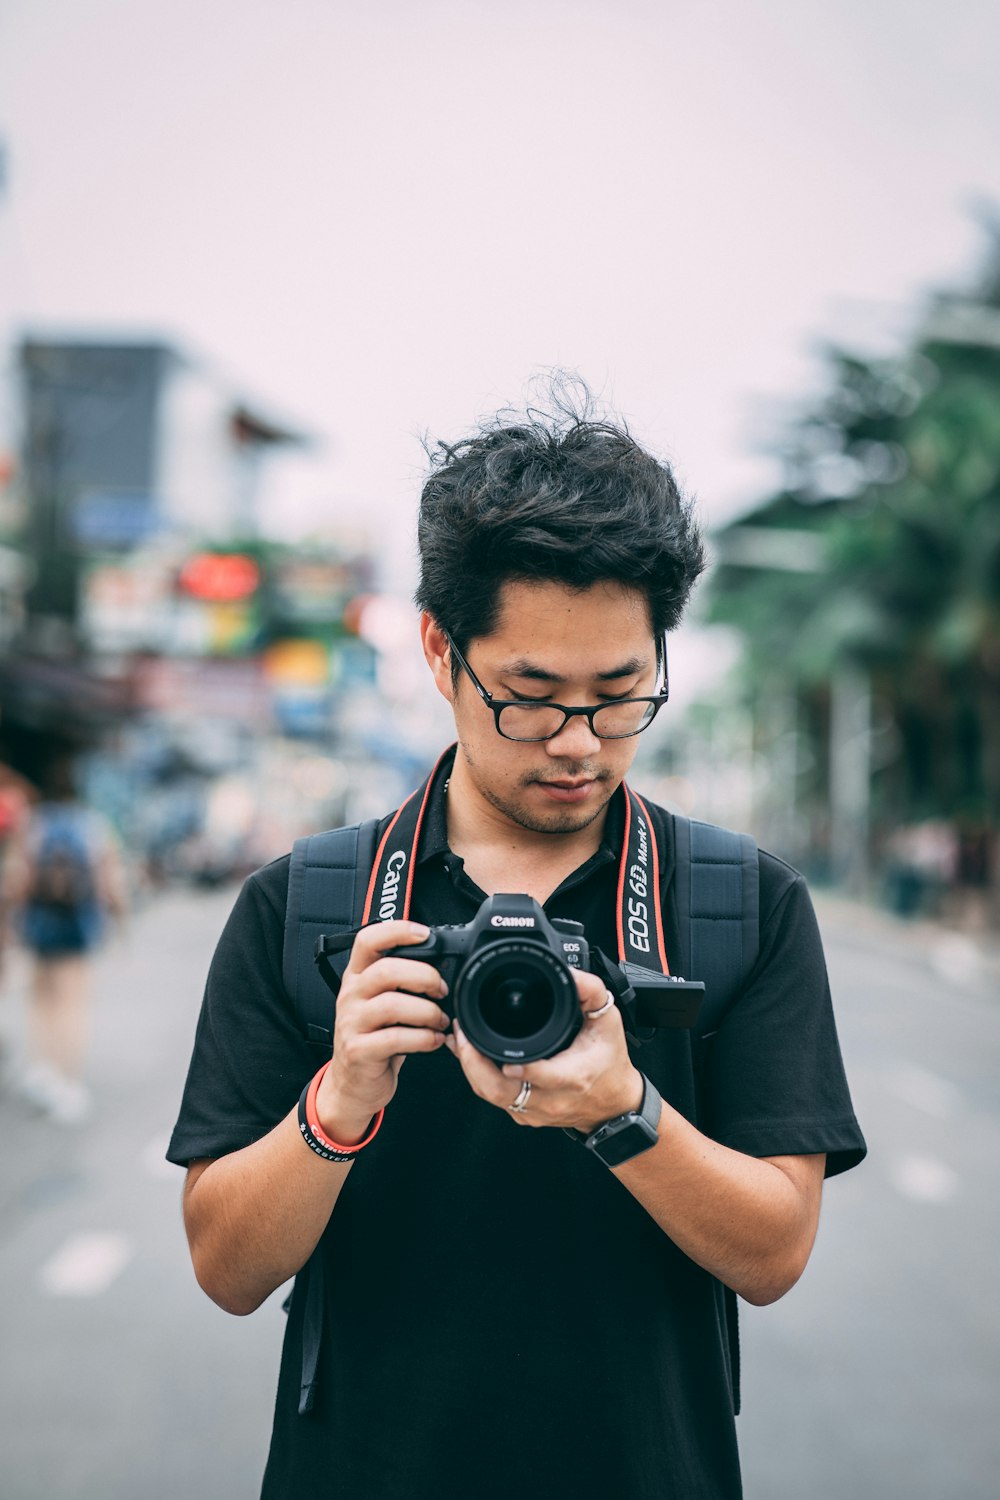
(590, 1081)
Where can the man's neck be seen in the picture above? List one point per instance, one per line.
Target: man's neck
(501, 854)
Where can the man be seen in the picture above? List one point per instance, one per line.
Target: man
(501, 1314)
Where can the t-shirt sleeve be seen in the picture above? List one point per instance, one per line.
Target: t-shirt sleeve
(774, 1076)
(250, 1060)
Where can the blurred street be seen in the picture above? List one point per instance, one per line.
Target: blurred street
(255, 348)
(878, 1376)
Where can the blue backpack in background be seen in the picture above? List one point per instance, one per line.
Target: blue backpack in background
(62, 909)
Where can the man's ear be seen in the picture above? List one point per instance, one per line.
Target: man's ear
(438, 654)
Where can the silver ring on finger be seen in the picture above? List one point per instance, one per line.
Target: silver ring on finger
(609, 1002)
(521, 1102)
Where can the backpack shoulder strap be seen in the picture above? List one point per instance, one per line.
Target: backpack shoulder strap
(717, 890)
(716, 885)
(327, 881)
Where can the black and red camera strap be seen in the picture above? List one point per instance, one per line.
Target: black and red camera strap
(639, 920)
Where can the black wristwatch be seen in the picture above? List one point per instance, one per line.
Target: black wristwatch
(625, 1136)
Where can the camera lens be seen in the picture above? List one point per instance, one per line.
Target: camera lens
(516, 1004)
(516, 1001)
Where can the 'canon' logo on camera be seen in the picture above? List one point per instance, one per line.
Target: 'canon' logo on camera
(512, 921)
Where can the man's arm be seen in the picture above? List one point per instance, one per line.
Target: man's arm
(750, 1222)
(254, 1217)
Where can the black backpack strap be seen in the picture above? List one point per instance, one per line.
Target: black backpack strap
(327, 882)
(716, 889)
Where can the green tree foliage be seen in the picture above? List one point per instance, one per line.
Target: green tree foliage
(898, 473)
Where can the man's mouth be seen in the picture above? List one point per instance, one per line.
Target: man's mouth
(567, 789)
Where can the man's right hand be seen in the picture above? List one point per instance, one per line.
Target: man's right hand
(386, 1008)
(255, 1216)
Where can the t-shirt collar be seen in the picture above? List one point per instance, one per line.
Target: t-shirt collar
(434, 834)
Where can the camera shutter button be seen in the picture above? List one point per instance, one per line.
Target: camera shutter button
(568, 928)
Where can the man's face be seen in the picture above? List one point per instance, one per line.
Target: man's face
(571, 648)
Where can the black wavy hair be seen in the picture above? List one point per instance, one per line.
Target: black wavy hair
(556, 494)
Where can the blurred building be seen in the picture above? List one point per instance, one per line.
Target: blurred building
(125, 444)
(148, 624)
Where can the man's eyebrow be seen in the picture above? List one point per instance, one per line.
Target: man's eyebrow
(524, 667)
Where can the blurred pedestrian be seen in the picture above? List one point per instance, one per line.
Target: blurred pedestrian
(62, 880)
(16, 796)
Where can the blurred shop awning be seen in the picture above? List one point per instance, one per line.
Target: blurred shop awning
(61, 697)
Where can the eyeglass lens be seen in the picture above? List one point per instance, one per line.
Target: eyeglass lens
(613, 721)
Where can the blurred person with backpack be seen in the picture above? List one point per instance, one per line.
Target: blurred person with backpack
(62, 880)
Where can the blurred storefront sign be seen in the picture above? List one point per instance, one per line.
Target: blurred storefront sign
(314, 590)
(207, 689)
(311, 680)
(298, 673)
(297, 663)
(221, 577)
(355, 665)
(218, 611)
(128, 605)
(114, 518)
(63, 697)
(133, 604)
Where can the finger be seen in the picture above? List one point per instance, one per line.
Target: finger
(395, 1009)
(378, 1046)
(401, 974)
(573, 1069)
(591, 990)
(547, 1074)
(484, 1076)
(372, 941)
(596, 1013)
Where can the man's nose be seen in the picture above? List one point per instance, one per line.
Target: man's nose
(575, 739)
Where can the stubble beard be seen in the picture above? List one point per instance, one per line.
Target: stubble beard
(558, 820)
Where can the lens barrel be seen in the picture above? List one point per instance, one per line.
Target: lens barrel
(516, 1001)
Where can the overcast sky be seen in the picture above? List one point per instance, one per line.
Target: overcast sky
(382, 217)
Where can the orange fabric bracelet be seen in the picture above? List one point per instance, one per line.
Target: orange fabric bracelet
(316, 1129)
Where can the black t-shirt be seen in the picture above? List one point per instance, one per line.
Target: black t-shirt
(501, 1317)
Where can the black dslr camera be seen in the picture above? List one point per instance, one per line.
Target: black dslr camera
(510, 986)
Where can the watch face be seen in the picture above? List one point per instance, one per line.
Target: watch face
(631, 1139)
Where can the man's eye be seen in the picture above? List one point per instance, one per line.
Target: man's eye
(523, 697)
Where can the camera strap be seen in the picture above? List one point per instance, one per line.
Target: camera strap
(639, 911)
(639, 920)
(390, 886)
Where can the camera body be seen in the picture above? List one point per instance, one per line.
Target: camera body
(511, 987)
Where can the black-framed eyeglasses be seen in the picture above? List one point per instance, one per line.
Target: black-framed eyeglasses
(529, 722)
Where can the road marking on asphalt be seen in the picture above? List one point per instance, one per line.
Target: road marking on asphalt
(85, 1265)
(956, 957)
(924, 1179)
(925, 1090)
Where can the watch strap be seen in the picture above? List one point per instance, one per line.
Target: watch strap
(639, 1126)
